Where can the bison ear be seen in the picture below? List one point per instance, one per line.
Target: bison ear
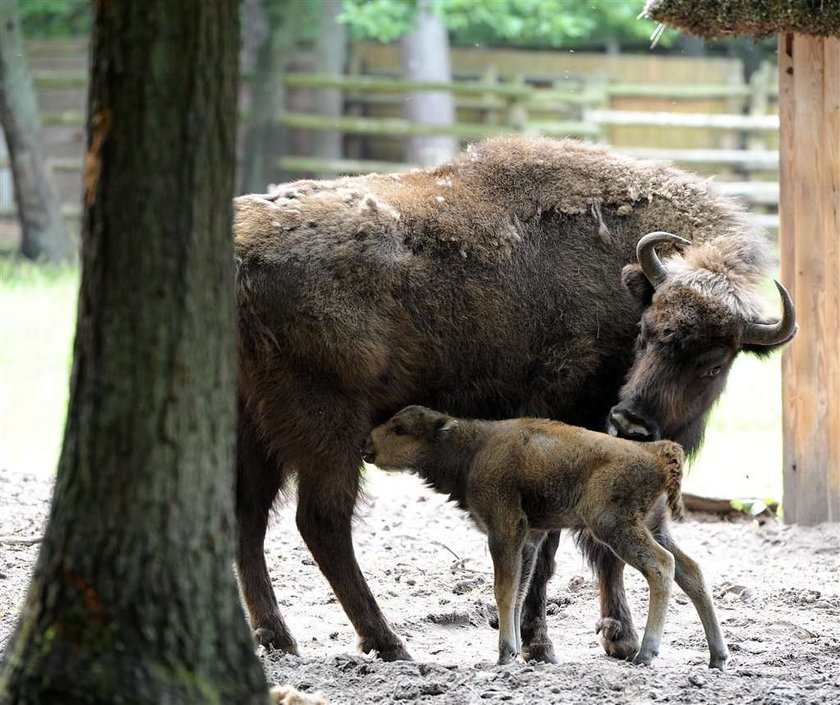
(637, 284)
(444, 427)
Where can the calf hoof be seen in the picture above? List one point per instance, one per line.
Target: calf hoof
(275, 640)
(390, 651)
(617, 639)
(719, 662)
(506, 655)
(540, 653)
(644, 658)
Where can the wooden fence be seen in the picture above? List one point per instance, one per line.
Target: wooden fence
(723, 126)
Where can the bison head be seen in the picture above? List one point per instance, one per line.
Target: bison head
(689, 335)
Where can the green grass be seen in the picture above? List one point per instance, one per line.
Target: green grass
(741, 456)
(37, 319)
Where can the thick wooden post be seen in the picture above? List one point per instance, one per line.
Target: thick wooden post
(809, 107)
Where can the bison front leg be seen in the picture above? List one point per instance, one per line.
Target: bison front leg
(615, 628)
(326, 498)
(536, 645)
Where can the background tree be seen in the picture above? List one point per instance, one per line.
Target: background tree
(264, 138)
(425, 57)
(44, 233)
(330, 57)
(133, 597)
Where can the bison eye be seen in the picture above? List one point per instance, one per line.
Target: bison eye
(398, 431)
(714, 372)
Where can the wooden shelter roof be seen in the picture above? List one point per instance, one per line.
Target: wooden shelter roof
(720, 18)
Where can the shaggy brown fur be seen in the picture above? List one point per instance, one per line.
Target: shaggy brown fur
(490, 287)
(521, 478)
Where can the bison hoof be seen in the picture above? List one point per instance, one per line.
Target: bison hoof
(617, 639)
(644, 657)
(275, 640)
(387, 652)
(540, 653)
(719, 662)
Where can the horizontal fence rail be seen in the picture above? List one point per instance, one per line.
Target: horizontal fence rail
(725, 127)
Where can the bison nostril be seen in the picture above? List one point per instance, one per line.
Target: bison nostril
(626, 424)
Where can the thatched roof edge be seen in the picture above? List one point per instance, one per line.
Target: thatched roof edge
(721, 18)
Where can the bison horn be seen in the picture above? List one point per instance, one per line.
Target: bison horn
(646, 254)
(774, 333)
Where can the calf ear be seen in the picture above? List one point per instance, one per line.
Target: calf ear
(444, 427)
(637, 284)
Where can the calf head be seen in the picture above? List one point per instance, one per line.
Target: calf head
(401, 442)
(693, 325)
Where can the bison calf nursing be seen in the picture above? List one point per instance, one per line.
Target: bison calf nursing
(522, 478)
(514, 281)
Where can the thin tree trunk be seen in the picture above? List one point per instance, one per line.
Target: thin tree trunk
(133, 599)
(330, 57)
(254, 34)
(425, 57)
(265, 138)
(42, 225)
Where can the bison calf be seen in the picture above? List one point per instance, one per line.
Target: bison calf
(522, 478)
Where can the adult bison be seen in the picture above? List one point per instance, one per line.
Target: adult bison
(502, 284)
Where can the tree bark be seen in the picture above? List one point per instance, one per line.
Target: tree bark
(42, 224)
(133, 599)
(265, 138)
(330, 57)
(425, 57)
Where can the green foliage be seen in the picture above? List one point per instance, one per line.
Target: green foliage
(382, 20)
(54, 18)
(523, 23)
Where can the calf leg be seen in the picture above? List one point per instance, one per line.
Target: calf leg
(690, 579)
(326, 498)
(615, 628)
(636, 546)
(505, 538)
(530, 551)
(536, 645)
(258, 480)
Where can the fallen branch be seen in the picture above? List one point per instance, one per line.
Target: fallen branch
(720, 507)
(21, 540)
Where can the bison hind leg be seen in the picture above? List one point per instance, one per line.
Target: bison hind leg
(259, 478)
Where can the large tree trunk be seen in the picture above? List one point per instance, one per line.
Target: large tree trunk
(425, 57)
(133, 597)
(42, 225)
(265, 138)
(330, 57)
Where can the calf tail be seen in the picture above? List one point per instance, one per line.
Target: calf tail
(672, 457)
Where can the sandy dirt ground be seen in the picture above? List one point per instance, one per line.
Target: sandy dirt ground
(777, 592)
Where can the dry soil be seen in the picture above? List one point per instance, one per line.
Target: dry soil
(777, 592)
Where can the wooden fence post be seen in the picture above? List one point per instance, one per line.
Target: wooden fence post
(518, 108)
(490, 76)
(761, 84)
(809, 106)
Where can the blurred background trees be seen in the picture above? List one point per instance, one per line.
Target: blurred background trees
(43, 232)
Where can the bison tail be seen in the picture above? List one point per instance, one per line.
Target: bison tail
(672, 457)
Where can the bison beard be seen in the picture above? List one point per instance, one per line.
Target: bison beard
(502, 284)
